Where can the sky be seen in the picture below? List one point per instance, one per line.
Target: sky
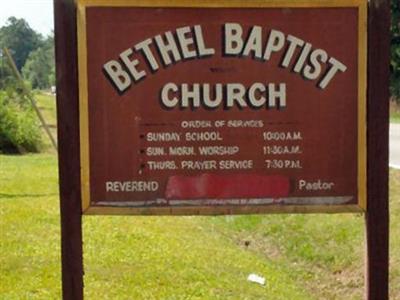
(38, 13)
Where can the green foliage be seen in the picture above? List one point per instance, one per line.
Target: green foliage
(19, 128)
(33, 55)
(395, 51)
(49, 44)
(6, 78)
(20, 39)
(39, 68)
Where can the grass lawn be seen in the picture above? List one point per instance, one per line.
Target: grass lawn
(125, 257)
(301, 256)
(47, 106)
(326, 251)
(395, 118)
(394, 112)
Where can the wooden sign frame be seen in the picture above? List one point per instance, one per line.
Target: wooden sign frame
(91, 208)
(376, 152)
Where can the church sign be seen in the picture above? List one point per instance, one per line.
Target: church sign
(198, 108)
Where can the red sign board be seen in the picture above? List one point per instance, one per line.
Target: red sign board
(197, 109)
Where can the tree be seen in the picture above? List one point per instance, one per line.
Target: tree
(39, 68)
(50, 44)
(6, 76)
(20, 39)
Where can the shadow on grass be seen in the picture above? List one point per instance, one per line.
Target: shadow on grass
(11, 196)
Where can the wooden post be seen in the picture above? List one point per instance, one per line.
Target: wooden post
(69, 154)
(377, 216)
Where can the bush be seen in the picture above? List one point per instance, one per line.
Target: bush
(19, 127)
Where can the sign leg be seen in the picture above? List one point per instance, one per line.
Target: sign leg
(377, 216)
(69, 153)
